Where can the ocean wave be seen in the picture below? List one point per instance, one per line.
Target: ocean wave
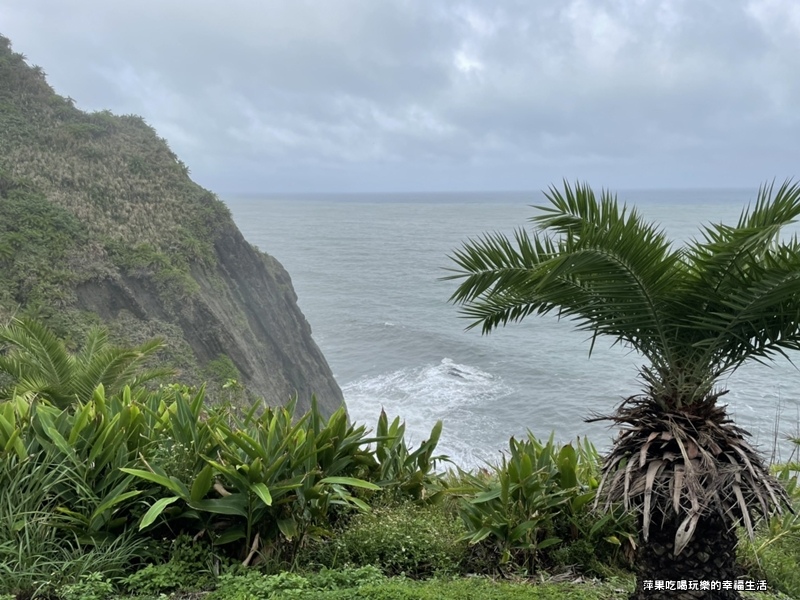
(423, 394)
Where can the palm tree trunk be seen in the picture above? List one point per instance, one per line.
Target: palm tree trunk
(710, 557)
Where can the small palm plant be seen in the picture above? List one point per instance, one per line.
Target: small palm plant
(33, 361)
(694, 313)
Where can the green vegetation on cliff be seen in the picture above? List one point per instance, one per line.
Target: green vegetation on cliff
(100, 223)
(87, 193)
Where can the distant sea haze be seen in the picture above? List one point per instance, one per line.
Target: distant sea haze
(367, 272)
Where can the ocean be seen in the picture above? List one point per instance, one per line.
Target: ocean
(367, 269)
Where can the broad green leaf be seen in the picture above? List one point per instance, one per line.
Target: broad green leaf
(578, 502)
(202, 483)
(254, 473)
(567, 462)
(61, 443)
(601, 522)
(110, 502)
(235, 504)
(16, 443)
(230, 535)
(522, 529)
(547, 543)
(288, 528)
(154, 511)
(99, 399)
(7, 425)
(358, 502)
(480, 535)
(161, 480)
(351, 481)
(485, 496)
(262, 491)
(241, 481)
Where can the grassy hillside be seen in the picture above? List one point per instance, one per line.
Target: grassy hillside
(99, 221)
(102, 188)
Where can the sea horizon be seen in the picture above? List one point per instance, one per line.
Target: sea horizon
(410, 194)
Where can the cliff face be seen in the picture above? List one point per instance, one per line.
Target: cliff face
(100, 221)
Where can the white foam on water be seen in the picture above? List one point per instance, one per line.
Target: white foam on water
(423, 394)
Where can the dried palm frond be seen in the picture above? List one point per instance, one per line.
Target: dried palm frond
(691, 462)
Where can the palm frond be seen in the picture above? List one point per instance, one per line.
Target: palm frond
(35, 362)
(35, 347)
(608, 270)
(694, 313)
(116, 367)
(493, 268)
(96, 340)
(760, 318)
(723, 258)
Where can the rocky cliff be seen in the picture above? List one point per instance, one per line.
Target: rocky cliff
(99, 221)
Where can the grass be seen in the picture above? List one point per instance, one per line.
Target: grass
(291, 586)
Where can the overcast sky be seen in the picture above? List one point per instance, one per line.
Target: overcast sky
(394, 95)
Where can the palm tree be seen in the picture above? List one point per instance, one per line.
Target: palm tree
(35, 363)
(694, 314)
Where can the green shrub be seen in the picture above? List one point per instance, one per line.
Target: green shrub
(39, 551)
(516, 509)
(534, 509)
(90, 587)
(404, 474)
(474, 588)
(190, 567)
(221, 369)
(276, 480)
(84, 130)
(416, 541)
(598, 544)
(253, 585)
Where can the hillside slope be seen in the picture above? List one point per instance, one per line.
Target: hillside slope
(99, 221)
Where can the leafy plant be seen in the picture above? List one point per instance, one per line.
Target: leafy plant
(535, 507)
(404, 474)
(254, 585)
(38, 552)
(516, 509)
(346, 577)
(90, 441)
(272, 480)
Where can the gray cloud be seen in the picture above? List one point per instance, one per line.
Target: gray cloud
(402, 95)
